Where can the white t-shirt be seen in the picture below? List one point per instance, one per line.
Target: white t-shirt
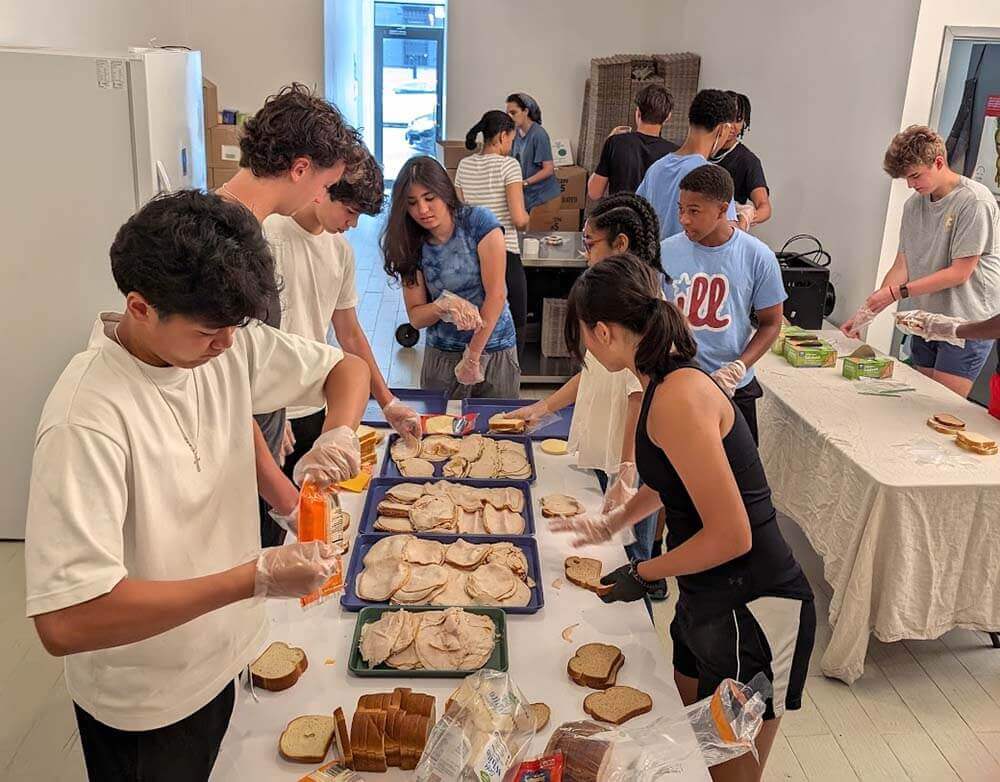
(115, 493)
(598, 427)
(483, 180)
(317, 272)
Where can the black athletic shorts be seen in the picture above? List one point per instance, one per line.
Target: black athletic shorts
(773, 635)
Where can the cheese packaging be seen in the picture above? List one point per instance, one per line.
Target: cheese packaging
(878, 367)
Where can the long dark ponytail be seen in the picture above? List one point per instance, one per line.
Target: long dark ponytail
(625, 290)
(492, 124)
(402, 238)
(528, 104)
(633, 216)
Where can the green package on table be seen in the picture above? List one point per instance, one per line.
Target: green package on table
(786, 331)
(879, 367)
(811, 353)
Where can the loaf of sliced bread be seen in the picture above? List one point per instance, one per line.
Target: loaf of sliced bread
(279, 667)
(307, 739)
(595, 665)
(617, 704)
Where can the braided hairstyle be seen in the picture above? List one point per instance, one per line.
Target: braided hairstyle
(742, 109)
(633, 216)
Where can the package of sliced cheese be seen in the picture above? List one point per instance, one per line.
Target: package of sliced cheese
(483, 735)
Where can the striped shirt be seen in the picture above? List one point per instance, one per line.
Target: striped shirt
(483, 180)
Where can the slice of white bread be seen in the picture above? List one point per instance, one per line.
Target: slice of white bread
(279, 667)
(595, 665)
(617, 704)
(975, 440)
(343, 737)
(307, 739)
(501, 423)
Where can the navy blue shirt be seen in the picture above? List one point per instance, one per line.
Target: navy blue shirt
(531, 150)
(454, 266)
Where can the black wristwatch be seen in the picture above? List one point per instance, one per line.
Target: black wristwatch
(904, 292)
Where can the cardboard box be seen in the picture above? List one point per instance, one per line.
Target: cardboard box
(787, 331)
(563, 220)
(450, 152)
(210, 102)
(224, 146)
(879, 367)
(811, 353)
(573, 183)
(217, 177)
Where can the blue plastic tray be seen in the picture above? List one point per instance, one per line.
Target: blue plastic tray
(390, 470)
(423, 402)
(362, 543)
(490, 407)
(379, 486)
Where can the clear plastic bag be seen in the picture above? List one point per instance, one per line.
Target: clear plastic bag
(484, 734)
(725, 726)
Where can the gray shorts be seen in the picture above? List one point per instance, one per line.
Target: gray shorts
(503, 374)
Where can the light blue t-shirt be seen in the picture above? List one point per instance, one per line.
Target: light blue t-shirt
(717, 288)
(531, 150)
(662, 185)
(454, 266)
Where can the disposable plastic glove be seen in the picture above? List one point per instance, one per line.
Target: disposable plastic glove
(294, 570)
(334, 457)
(930, 326)
(729, 376)
(591, 528)
(625, 585)
(290, 522)
(469, 371)
(624, 488)
(287, 444)
(403, 419)
(532, 413)
(454, 309)
(852, 328)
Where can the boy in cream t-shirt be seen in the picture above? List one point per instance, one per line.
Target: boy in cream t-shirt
(142, 551)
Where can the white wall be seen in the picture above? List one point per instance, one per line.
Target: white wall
(95, 24)
(826, 85)
(343, 53)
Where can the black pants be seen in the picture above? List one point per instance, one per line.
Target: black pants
(517, 297)
(185, 750)
(746, 400)
(306, 430)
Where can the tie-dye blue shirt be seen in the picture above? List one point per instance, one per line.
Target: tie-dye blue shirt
(454, 266)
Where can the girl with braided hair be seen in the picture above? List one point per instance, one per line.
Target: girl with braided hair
(607, 404)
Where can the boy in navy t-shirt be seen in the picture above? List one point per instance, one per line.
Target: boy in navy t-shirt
(720, 275)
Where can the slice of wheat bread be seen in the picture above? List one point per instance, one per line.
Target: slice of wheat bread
(947, 419)
(540, 715)
(343, 738)
(595, 665)
(307, 739)
(585, 572)
(617, 705)
(278, 667)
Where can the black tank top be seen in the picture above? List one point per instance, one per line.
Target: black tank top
(769, 568)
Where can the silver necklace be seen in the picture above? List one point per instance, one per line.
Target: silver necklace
(197, 396)
(225, 189)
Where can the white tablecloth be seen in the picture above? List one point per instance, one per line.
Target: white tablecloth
(907, 524)
(538, 654)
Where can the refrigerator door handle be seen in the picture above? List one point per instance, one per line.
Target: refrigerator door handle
(162, 179)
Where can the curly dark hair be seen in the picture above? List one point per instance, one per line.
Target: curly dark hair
(633, 216)
(362, 186)
(296, 123)
(711, 181)
(710, 108)
(655, 103)
(192, 253)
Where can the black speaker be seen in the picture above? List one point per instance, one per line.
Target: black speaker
(806, 276)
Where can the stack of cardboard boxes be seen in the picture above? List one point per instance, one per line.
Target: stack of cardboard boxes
(222, 142)
(572, 182)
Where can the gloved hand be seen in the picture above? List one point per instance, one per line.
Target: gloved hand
(469, 371)
(623, 489)
(287, 444)
(729, 376)
(930, 326)
(334, 457)
(852, 327)
(290, 522)
(294, 570)
(626, 585)
(591, 528)
(403, 419)
(745, 214)
(532, 413)
(881, 299)
(454, 309)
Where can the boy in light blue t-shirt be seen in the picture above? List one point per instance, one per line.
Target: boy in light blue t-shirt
(720, 275)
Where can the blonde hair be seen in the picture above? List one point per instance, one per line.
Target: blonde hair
(915, 146)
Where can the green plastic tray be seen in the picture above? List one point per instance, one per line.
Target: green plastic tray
(498, 660)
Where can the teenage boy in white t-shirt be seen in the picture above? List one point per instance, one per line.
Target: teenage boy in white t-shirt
(315, 263)
(142, 552)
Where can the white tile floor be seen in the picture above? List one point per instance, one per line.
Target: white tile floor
(924, 710)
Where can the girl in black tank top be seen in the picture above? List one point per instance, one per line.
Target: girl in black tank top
(745, 607)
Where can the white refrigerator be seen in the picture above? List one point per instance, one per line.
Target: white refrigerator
(85, 139)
